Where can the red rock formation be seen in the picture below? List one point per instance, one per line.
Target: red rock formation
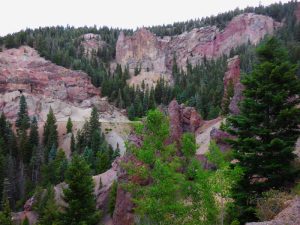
(124, 213)
(154, 53)
(143, 49)
(232, 76)
(182, 119)
(24, 70)
(176, 128)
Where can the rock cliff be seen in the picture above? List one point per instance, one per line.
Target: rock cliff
(153, 53)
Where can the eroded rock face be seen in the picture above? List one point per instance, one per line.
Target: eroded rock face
(124, 207)
(156, 54)
(24, 70)
(182, 119)
(143, 49)
(232, 77)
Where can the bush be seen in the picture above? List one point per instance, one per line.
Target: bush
(271, 203)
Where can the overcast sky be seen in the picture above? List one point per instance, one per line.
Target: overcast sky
(21, 14)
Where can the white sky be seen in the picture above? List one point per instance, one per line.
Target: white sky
(21, 14)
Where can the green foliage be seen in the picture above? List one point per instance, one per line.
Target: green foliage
(267, 127)
(34, 133)
(54, 171)
(23, 121)
(178, 190)
(81, 207)
(46, 206)
(94, 120)
(69, 126)
(201, 86)
(50, 133)
(5, 214)
(72, 144)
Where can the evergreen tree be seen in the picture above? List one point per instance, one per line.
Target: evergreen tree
(72, 144)
(34, 133)
(79, 195)
(50, 133)
(94, 120)
(23, 121)
(47, 208)
(69, 126)
(102, 162)
(267, 127)
(52, 153)
(131, 112)
(96, 141)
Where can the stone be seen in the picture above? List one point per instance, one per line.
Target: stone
(182, 119)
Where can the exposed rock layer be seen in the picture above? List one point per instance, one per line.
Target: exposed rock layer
(150, 52)
(24, 70)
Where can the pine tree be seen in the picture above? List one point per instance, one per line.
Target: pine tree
(79, 195)
(267, 127)
(94, 120)
(72, 144)
(23, 121)
(69, 126)
(50, 133)
(52, 153)
(131, 112)
(34, 133)
(96, 141)
(102, 162)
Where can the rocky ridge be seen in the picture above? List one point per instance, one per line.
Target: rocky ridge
(151, 53)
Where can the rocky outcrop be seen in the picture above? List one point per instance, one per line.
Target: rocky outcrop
(290, 215)
(237, 97)
(182, 119)
(24, 70)
(156, 54)
(232, 77)
(123, 214)
(124, 207)
(92, 43)
(220, 138)
(143, 50)
(28, 212)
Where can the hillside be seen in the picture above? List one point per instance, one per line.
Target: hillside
(195, 122)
